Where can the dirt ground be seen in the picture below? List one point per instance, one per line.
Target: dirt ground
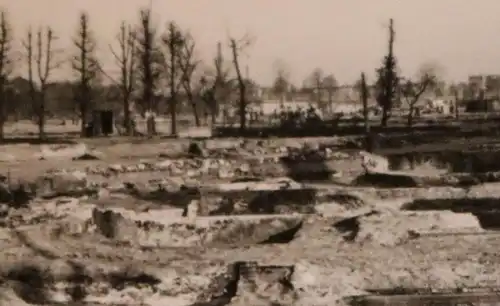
(146, 223)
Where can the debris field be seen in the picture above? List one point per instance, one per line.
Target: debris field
(231, 222)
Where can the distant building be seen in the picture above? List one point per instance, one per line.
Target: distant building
(483, 86)
(477, 81)
(482, 105)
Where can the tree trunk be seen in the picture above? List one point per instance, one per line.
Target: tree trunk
(213, 106)
(195, 109)
(457, 112)
(3, 113)
(173, 115)
(365, 116)
(83, 126)
(364, 100)
(213, 117)
(410, 116)
(41, 116)
(151, 125)
(41, 125)
(2, 133)
(385, 117)
(126, 114)
(243, 108)
(2, 125)
(330, 103)
(242, 89)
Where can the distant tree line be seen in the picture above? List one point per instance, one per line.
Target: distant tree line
(157, 70)
(388, 90)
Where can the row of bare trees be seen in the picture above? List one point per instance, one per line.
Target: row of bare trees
(152, 65)
(315, 85)
(390, 87)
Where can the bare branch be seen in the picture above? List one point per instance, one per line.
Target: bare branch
(125, 58)
(411, 91)
(6, 66)
(236, 48)
(28, 46)
(86, 67)
(173, 41)
(150, 61)
(41, 53)
(281, 82)
(188, 64)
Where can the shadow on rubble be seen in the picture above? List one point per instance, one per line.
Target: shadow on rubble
(37, 141)
(486, 210)
(452, 296)
(16, 195)
(247, 275)
(285, 236)
(119, 280)
(386, 180)
(336, 126)
(460, 205)
(345, 199)
(482, 159)
(179, 199)
(34, 283)
(404, 180)
(307, 167)
(350, 227)
(263, 201)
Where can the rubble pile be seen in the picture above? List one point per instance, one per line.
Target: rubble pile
(239, 223)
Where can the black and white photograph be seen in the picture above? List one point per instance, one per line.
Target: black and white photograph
(249, 153)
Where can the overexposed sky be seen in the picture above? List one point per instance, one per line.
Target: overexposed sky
(343, 37)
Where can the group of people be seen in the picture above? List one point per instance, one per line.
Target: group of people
(297, 116)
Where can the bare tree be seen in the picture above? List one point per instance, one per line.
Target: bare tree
(125, 58)
(188, 65)
(411, 90)
(281, 82)
(174, 41)
(314, 82)
(387, 79)
(41, 57)
(236, 48)
(217, 94)
(365, 93)
(28, 45)
(85, 65)
(329, 83)
(6, 66)
(150, 61)
(215, 86)
(454, 89)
